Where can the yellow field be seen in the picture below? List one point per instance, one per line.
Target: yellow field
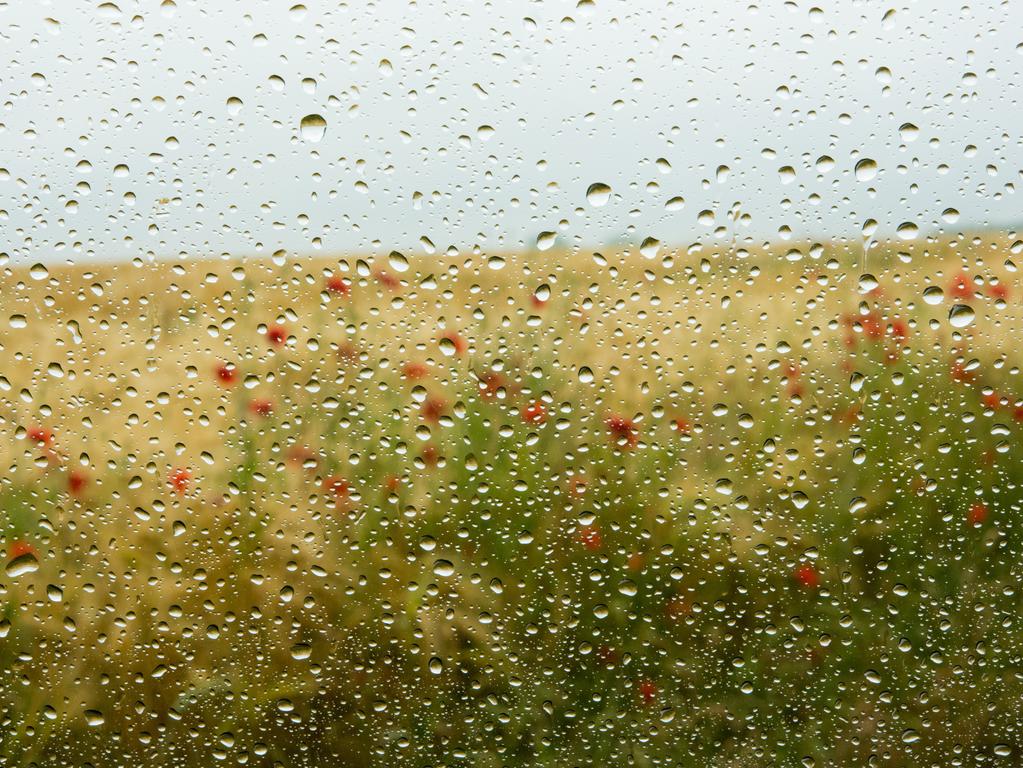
(323, 552)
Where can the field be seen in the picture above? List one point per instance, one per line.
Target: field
(688, 508)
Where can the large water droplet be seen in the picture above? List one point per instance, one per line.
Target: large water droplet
(598, 194)
(313, 127)
(961, 315)
(866, 169)
(22, 564)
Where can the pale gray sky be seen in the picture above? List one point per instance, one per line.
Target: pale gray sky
(492, 119)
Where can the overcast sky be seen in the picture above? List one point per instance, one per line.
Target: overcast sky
(475, 124)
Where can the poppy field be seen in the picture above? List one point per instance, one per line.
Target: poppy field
(637, 507)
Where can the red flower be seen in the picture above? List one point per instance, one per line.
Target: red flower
(76, 482)
(433, 409)
(873, 327)
(635, 562)
(806, 576)
(348, 353)
(180, 479)
(301, 455)
(414, 371)
(457, 341)
(430, 455)
(1017, 413)
(386, 279)
(899, 330)
(338, 487)
(392, 483)
(537, 302)
(261, 407)
(647, 691)
(977, 514)
(991, 400)
(227, 374)
(40, 436)
(623, 431)
(677, 608)
(998, 291)
(489, 384)
(534, 413)
(960, 288)
(849, 416)
(338, 287)
(960, 374)
(277, 334)
(608, 656)
(682, 425)
(590, 537)
(20, 547)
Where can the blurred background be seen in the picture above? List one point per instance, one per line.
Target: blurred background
(510, 384)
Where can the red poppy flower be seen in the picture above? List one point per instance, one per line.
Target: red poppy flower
(682, 425)
(348, 353)
(978, 514)
(608, 656)
(226, 374)
(1017, 413)
(261, 407)
(806, 576)
(430, 455)
(677, 608)
(647, 691)
(960, 374)
(40, 436)
(20, 547)
(392, 483)
(433, 408)
(337, 487)
(872, 325)
(623, 431)
(414, 371)
(456, 341)
(301, 455)
(991, 400)
(960, 288)
(590, 537)
(577, 486)
(635, 562)
(534, 413)
(277, 335)
(180, 480)
(998, 291)
(489, 384)
(76, 482)
(386, 279)
(338, 286)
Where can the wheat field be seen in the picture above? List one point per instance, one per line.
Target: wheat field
(734, 507)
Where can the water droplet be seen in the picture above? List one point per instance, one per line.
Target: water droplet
(313, 127)
(961, 315)
(397, 262)
(545, 240)
(907, 230)
(598, 194)
(22, 564)
(866, 169)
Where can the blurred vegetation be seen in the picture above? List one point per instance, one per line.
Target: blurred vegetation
(754, 508)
